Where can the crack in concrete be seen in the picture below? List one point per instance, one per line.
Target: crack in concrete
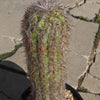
(85, 90)
(86, 18)
(98, 78)
(85, 1)
(92, 56)
(91, 61)
(9, 54)
(98, 2)
(77, 4)
(83, 18)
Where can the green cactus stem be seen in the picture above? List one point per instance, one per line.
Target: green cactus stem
(45, 36)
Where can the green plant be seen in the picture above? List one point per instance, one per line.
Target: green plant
(44, 30)
(97, 37)
(82, 89)
(97, 18)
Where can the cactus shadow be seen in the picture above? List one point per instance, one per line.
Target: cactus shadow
(14, 84)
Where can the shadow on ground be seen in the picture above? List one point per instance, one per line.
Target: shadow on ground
(14, 84)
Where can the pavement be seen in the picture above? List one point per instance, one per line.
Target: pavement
(80, 44)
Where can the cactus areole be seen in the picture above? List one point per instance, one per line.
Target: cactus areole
(45, 36)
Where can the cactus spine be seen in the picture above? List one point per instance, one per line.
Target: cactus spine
(44, 30)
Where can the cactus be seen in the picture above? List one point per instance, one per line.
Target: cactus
(45, 36)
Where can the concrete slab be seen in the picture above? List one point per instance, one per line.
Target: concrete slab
(91, 84)
(93, 1)
(71, 3)
(75, 68)
(83, 35)
(19, 58)
(87, 96)
(87, 10)
(11, 14)
(6, 45)
(81, 42)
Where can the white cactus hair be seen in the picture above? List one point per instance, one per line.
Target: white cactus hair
(47, 4)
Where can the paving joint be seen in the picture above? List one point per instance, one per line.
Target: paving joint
(85, 18)
(82, 18)
(98, 78)
(85, 90)
(92, 57)
(9, 54)
(87, 71)
(91, 61)
(77, 4)
(96, 19)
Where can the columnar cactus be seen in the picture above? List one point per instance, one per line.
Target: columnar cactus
(44, 30)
